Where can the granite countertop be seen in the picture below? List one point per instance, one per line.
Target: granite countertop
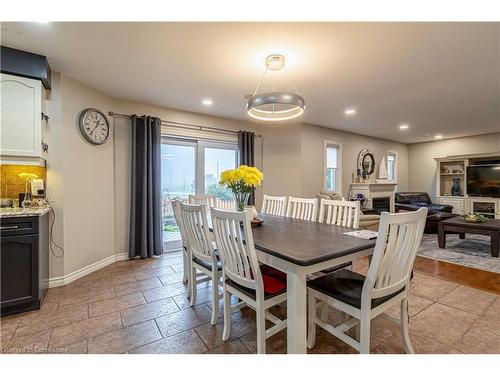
(23, 212)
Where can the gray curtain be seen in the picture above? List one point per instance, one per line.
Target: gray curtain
(247, 154)
(145, 237)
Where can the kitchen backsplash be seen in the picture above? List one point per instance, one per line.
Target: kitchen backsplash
(11, 184)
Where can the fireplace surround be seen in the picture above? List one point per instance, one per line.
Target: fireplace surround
(376, 190)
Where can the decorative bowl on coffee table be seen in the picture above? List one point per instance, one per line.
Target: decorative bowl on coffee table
(474, 218)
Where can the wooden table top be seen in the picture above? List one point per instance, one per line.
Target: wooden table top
(305, 242)
(490, 224)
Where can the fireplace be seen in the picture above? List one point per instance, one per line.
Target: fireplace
(381, 204)
(380, 192)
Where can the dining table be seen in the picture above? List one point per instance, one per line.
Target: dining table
(300, 248)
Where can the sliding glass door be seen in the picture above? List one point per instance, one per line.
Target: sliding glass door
(214, 158)
(191, 167)
(178, 181)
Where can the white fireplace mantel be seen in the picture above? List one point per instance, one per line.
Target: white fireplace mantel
(375, 190)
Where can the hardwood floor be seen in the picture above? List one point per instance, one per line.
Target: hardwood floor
(140, 306)
(475, 278)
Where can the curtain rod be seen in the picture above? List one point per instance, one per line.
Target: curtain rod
(183, 125)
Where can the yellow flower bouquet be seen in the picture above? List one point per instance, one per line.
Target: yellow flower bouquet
(241, 182)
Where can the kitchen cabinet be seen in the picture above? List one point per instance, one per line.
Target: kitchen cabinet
(23, 130)
(23, 262)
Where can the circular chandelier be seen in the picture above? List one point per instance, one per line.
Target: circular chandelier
(275, 105)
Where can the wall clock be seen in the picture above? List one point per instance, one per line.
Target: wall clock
(94, 126)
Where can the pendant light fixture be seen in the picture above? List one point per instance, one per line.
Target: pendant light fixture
(275, 105)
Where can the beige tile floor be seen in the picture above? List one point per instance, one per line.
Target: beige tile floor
(140, 306)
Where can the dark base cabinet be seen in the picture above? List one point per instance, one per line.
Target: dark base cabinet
(23, 263)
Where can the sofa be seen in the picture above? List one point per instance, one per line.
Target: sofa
(412, 201)
(365, 221)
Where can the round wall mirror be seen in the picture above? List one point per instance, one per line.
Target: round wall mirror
(366, 164)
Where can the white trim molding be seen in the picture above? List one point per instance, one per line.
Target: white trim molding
(63, 280)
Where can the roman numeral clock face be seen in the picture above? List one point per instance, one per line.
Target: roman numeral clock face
(94, 126)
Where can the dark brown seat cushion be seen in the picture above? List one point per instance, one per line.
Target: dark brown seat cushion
(207, 265)
(346, 286)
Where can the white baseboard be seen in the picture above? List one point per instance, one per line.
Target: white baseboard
(63, 280)
(121, 256)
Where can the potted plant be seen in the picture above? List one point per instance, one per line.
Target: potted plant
(241, 181)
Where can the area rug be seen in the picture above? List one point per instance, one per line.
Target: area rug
(473, 252)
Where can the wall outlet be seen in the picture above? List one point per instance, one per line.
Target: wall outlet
(36, 184)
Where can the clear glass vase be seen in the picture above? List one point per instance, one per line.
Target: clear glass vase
(241, 200)
(26, 203)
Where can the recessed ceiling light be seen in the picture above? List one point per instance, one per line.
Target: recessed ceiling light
(438, 136)
(404, 126)
(207, 102)
(350, 111)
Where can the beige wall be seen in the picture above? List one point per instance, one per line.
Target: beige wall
(80, 179)
(422, 166)
(90, 184)
(313, 154)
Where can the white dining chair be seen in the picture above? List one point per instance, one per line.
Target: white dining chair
(273, 205)
(176, 208)
(339, 212)
(207, 200)
(225, 204)
(259, 286)
(386, 284)
(302, 208)
(202, 254)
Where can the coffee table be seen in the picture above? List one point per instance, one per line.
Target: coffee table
(490, 228)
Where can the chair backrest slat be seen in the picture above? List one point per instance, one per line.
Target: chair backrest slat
(234, 239)
(207, 200)
(302, 208)
(176, 206)
(398, 241)
(341, 213)
(225, 204)
(273, 205)
(194, 219)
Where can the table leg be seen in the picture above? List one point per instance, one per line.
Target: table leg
(441, 236)
(495, 244)
(296, 312)
(461, 236)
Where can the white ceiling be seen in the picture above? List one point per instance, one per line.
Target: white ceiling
(438, 77)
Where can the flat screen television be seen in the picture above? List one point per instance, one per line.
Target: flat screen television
(483, 180)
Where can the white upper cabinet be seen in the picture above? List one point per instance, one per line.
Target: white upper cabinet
(22, 128)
